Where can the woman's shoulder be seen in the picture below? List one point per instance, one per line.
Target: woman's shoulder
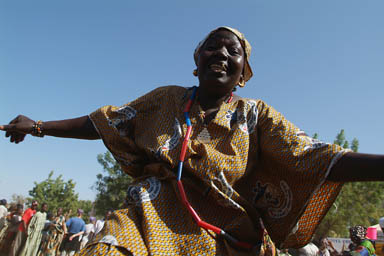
(161, 95)
(249, 103)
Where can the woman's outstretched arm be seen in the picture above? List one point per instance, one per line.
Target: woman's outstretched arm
(77, 128)
(358, 167)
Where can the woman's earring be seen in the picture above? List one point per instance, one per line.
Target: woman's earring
(195, 72)
(242, 82)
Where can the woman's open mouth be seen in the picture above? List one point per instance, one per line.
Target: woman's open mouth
(218, 68)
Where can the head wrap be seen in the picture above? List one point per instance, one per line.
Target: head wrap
(358, 233)
(80, 211)
(92, 219)
(244, 43)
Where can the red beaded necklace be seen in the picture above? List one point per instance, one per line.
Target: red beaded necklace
(184, 199)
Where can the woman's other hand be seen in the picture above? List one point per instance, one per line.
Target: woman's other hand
(18, 128)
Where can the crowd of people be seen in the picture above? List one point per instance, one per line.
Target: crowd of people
(40, 233)
(37, 231)
(360, 245)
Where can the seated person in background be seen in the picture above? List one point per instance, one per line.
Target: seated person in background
(363, 246)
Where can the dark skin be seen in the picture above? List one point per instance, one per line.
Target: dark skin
(44, 208)
(220, 67)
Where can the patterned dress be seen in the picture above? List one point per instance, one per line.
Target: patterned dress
(51, 242)
(248, 168)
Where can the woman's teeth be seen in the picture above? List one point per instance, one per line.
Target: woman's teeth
(218, 67)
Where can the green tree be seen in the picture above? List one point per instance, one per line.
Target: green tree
(340, 138)
(56, 193)
(111, 188)
(358, 203)
(355, 145)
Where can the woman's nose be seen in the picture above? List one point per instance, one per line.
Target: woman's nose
(221, 52)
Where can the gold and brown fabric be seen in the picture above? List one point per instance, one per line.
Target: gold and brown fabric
(247, 168)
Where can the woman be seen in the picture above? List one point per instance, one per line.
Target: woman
(14, 220)
(363, 247)
(212, 169)
(34, 231)
(51, 243)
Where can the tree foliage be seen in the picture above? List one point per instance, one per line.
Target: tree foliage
(56, 193)
(111, 188)
(359, 203)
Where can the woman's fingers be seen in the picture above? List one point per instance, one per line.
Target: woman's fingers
(19, 138)
(7, 127)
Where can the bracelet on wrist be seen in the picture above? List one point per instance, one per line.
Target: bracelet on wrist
(37, 130)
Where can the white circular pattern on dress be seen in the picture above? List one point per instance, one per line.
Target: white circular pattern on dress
(144, 191)
(108, 239)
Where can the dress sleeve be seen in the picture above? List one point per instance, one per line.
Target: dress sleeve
(290, 186)
(117, 128)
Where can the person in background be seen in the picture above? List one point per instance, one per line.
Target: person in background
(100, 223)
(323, 248)
(363, 246)
(21, 236)
(3, 218)
(58, 232)
(75, 227)
(309, 250)
(46, 233)
(14, 220)
(89, 232)
(3, 209)
(381, 223)
(35, 233)
(50, 245)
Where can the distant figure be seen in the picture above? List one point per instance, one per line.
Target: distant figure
(323, 249)
(58, 231)
(34, 232)
(381, 223)
(100, 223)
(14, 220)
(51, 243)
(21, 236)
(89, 232)
(364, 247)
(309, 250)
(46, 233)
(3, 209)
(75, 227)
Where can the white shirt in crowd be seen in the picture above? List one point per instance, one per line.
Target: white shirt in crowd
(3, 211)
(99, 226)
(89, 228)
(309, 250)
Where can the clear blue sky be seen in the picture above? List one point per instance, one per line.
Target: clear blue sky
(320, 63)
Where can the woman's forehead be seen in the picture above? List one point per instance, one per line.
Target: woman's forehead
(224, 34)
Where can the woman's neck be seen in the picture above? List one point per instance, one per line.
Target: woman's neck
(211, 103)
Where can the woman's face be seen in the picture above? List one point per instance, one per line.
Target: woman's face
(220, 62)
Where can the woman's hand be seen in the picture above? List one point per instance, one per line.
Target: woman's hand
(18, 128)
